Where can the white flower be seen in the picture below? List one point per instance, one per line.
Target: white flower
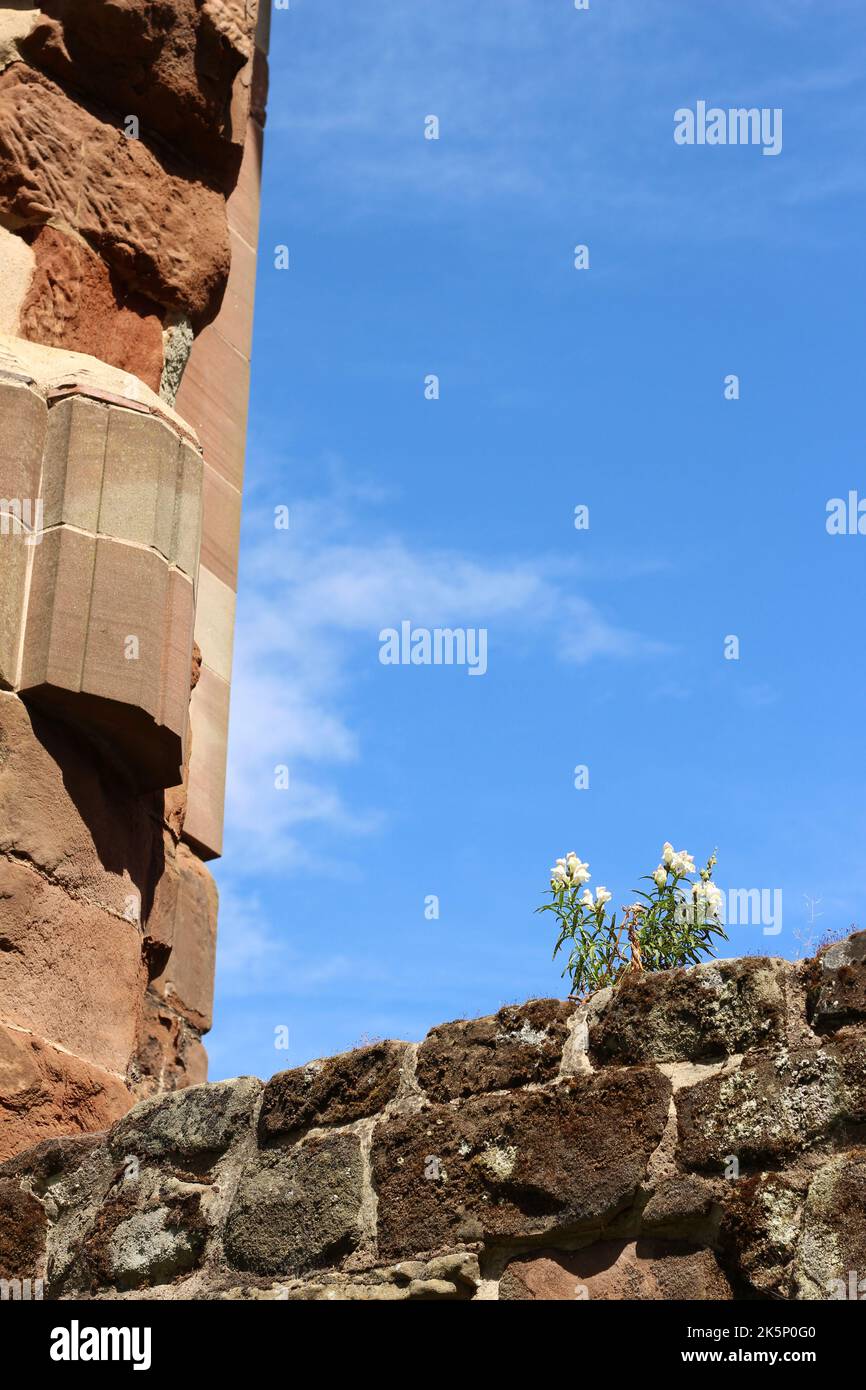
(578, 871)
(570, 872)
(682, 863)
(602, 896)
(661, 875)
(586, 900)
(708, 897)
(667, 853)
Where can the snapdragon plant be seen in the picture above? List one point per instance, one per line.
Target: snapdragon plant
(672, 923)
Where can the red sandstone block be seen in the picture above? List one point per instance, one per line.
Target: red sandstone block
(214, 398)
(221, 525)
(209, 716)
(74, 301)
(69, 972)
(187, 981)
(244, 203)
(235, 321)
(45, 1093)
(163, 233)
(82, 826)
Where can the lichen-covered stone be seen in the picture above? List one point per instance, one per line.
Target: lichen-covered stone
(153, 1247)
(148, 1230)
(469, 1197)
(297, 1208)
(615, 1269)
(760, 1229)
(519, 1044)
(199, 1121)
(708, 1013)
(831, 1259)
(516, 1164)
(838, 984)
(333, 1091)
(773, 1107)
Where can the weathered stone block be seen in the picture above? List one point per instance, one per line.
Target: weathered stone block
(679, 1200)
(163, 233)
(197, 1122)
(215, 622)
(69, 972)
(772, 1108)
(521, 1043)
(297, 1208)
(45, 1092)
(175, 66)
(75, 301)
(838, 984)
(78, 824)
(108, 628)
(615, 1269)
(711, 1011)
(831, 1259)
(333, 1091)
(518, 1164)
(221, 523)
(75, 463)
(760, 1229)
(149, 1230)
(187, 982)
(169, 1055)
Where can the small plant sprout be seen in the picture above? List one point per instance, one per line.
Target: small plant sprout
(672, 923)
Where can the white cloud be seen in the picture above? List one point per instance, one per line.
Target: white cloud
(313, 602)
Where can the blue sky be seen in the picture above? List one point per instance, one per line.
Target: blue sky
(558, 387)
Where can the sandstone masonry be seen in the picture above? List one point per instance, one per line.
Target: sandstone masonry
(130, 161)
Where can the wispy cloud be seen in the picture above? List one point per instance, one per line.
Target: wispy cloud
(541, 105)
(313, 602)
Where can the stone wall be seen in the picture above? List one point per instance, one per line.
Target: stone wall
(130, 160)
(696, 1135)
